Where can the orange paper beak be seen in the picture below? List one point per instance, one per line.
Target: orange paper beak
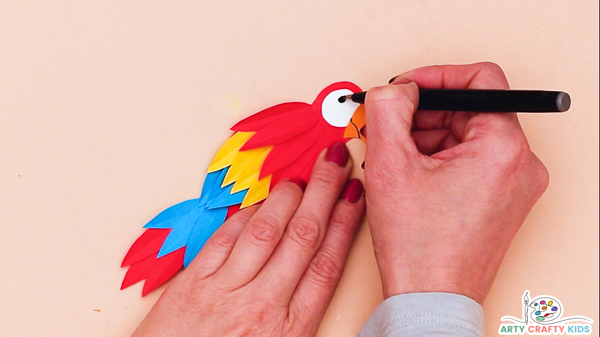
(356, 128)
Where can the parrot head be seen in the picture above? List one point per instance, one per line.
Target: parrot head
(347, 115)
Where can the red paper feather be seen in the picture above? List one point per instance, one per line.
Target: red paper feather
(306, 159)
(267, 116)
(147, 244)
(278, 132)
(163, 269)
(138, 271)
(232, 210)
(289, 151)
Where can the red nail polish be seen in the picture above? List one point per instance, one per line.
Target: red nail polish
(353, 191)
(300, 182)
(399, 80)
(338, 154)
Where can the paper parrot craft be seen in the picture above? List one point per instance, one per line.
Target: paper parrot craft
(280, 142)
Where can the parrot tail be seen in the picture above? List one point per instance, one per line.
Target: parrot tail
(175, 236)
(144, 264)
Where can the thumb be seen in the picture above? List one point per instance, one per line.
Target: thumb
(389, 112)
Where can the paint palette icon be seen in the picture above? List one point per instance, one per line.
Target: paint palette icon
(540, 311)
(545, 309)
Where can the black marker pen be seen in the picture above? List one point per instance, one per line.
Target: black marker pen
(484, 100)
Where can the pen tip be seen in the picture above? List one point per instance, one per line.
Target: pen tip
(342, 99)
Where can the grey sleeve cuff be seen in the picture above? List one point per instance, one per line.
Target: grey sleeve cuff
(425, 314)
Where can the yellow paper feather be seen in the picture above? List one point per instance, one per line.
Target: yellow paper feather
(250, 173)
(244, 168)
(258, 191)
(245, 164)
(227, 153)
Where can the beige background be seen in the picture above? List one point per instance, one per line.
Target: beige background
(110, 111)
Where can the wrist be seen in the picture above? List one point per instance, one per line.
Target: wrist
(426, 278)
(433, 286)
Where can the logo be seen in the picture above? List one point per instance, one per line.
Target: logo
(543, 316)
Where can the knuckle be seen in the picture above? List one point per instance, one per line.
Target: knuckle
(542, 176)
(491, 67)
(391, 92)
(343, 222)
(409, 102)
(224, 240)
(377, 94)
(512, 154)
(326, 179)
(325, 268)
(191, 292)
(264, 229)
(305, 231)
(492, 75)
(288, 192)
(256, 320)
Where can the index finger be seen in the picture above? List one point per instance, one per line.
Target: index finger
(483, 75)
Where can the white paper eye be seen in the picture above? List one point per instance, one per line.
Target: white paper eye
(335, 113)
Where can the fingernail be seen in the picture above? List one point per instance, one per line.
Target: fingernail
(338, 154)
(300, 182)
(399, 80)
(353, 191)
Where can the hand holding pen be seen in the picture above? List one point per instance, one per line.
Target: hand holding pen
(446, 190)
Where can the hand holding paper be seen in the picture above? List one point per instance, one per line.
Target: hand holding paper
(278, 143)
(269, 271)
